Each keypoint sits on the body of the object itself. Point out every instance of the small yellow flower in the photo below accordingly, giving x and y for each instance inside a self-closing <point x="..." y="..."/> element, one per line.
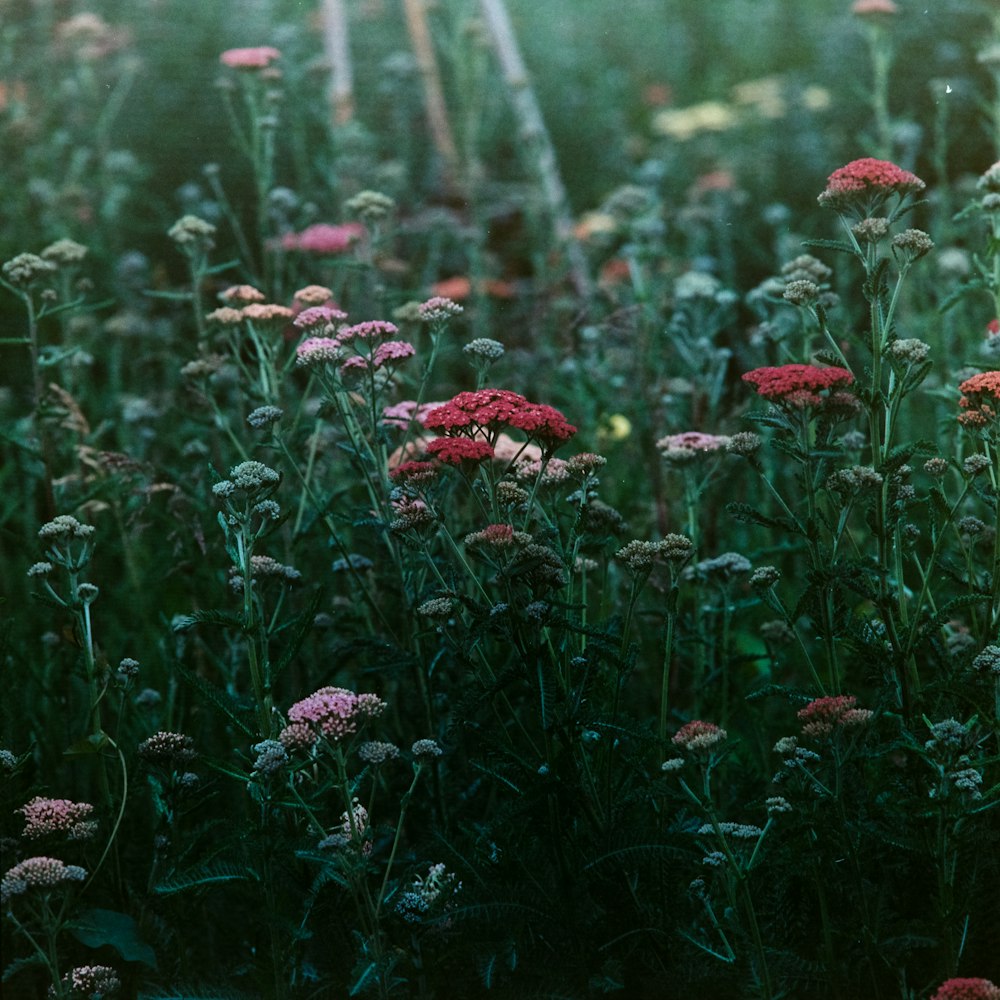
<point x="617" y="427"/>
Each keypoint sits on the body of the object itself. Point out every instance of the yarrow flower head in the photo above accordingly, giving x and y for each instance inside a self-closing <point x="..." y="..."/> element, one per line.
<point x="319" y="351"/>
<point x="980" y="399"/>
<point x="800" y="386"/>
<point x="967" y="989"/>
<point x="324" y="238"/>
<point x="26" y="268"/>
<point x="264" y="416"/>
<point x="377" y="753"/>
<point x="988" y="661"/>
<point x="822" y="715"/>
<point x="459" y="450"/>
<point x="699" y="735"/>
<point x="874" y="8"/>
<point x="65" y="527"/>
<point x="40" y="873"/>
<point x="424" y="751"/>
<point x="440" y="309"/>
<point x="92" y="982"/>
<point x="690" y="444"/>
<point x="88" y="982"/>
<point x="65" y="252"/>
<point x="242" y="295"/>
<point x="258" y="57"/>
<point x="318" y="316"/>
<point x="332" y="713"/>
<point x="44" y="817"/>
<point x="492" y="410"/>
<point x="863" y="187"/>
<point x="191" y="233"/>
<point x="168" y="749"/>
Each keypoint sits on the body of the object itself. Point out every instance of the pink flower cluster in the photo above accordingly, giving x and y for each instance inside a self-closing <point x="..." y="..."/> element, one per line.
<point x="458" y="450"/>
<point x="822" y="715"/>
<point x="801" y="385"/>
<point x="967" y="989"/>
<point x="332" y="713"/>
<point x="38" y="873"/>
<point x="324" y="238"/>
<point x="866" y="184"/>
<point x="496" y="535"/>
<point x="377" y="352"/>
<point x="490" y="410"/>
<point x="691" y="441"/>
<point x="699" y="735"/>
<point x="259" y="57"/>
<point x="318" y="316"/>
<point x="53" y="816"/>
<point x="980" y="396"/>
<point x="873" y="8"/>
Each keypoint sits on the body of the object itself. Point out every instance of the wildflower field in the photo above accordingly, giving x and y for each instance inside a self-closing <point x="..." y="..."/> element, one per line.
<point x="499" y="499"/>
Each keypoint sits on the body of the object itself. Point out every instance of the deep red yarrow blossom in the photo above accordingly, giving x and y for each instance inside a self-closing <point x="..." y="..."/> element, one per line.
<point x="492" y="410"/>
<point x="798" y="385"/>
<point x="457" y="450"/>
<point x="865" y="185"/>
<point x="967" y="989"/>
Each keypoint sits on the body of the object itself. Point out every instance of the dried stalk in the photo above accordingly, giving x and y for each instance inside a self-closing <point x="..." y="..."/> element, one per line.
<point x="536" y="138"/>
<point x="338" y="55"/>
<point x="437" y="111"/>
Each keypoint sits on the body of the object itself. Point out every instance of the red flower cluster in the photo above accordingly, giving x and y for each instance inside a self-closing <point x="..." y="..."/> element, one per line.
<point x="980" y="396"/>
<point x="491" y="410"/>
<point x="800" y="385"/>
<point x="866" y="183"/>
<point x="456" y="450"/>
<point x="820" y="716"/>
<point x="967" y="989"/>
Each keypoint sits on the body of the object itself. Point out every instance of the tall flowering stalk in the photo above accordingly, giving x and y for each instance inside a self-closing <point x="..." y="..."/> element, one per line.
<point x="870" y="196"/>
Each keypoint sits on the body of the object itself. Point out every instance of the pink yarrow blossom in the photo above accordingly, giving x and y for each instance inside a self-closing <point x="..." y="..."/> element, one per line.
<point x="699" y="735"/>
<point x="314" y="316"/>
<point x="401" y="414"/>
<point x="865" y="185"/>
<point x="324" y="238"/>
<point x="373" y="329"/>
<point x="332" y="713"/>
<point x="318" y="351"/>
<point x="691" y="441"/>
<point x="967" y="989"/>
<point x="822" y="715"/>
<point x="873" y="8"/>
<point x="53" y="816"/>
<point x="392" y="350"/>
<point x="259" y="57"/>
